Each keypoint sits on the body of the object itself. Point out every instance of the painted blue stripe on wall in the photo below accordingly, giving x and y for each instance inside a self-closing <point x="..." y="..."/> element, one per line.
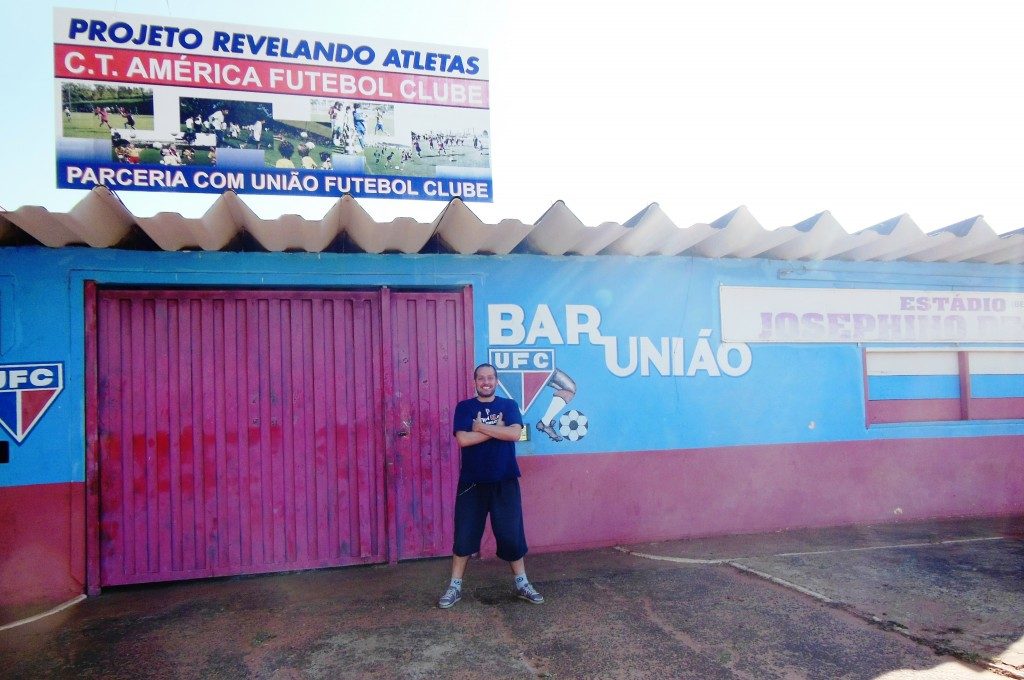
<point x="787" y="386"/>
<point x="913" y="387"/>
<point x="994" y="386"/>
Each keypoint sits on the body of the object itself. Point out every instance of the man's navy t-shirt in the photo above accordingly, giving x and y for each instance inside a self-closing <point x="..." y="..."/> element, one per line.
<point x="493" y="460"/>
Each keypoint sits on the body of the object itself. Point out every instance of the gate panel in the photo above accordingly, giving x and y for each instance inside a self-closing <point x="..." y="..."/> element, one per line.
<point x="239" y="432"/>
<point x="430" y="352"/>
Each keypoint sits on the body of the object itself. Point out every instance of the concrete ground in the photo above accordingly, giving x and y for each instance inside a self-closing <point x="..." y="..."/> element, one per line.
<point x="917" y="600"/>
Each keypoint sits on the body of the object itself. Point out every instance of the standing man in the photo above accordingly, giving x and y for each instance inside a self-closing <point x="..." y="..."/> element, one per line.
<point x="219" y="122"/>
<point x="359" y="122"/>
<point x="257" y="132"/>
<point x="487" y="428"/>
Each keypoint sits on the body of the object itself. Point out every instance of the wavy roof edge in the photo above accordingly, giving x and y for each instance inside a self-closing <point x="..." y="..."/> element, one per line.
<point x="101" y="220"/>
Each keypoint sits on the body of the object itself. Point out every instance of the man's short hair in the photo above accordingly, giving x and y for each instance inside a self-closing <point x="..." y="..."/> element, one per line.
<point x="485" y="365"/>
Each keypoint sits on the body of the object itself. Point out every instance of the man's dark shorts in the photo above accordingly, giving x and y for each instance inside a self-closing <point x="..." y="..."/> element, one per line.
<point x="503" y="502"/>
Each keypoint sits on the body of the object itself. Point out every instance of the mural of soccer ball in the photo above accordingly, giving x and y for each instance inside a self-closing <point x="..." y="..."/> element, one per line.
<point x="573" y="425"/>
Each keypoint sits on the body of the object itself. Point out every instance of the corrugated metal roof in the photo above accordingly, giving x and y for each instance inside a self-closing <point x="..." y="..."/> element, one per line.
<point x="100" y="220"/>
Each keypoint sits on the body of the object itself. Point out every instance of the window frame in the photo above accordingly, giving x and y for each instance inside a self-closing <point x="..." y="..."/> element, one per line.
<point x="965" y="408"/>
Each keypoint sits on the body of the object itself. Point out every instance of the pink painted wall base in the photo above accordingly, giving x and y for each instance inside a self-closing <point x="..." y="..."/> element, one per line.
<point x="591" y="500"/>
<point x="42" y="562"/>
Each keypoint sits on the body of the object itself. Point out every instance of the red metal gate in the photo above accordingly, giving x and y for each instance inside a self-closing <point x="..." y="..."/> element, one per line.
<point x="431" y="358"/>
<point x="238" y="432"/>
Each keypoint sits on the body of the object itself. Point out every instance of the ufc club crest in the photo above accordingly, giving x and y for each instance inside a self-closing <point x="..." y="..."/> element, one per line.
<point x="523" y="373"/>
<point x="26" y="392"/>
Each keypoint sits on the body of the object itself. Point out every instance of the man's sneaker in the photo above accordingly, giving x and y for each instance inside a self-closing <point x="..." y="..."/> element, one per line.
<point x="549" y="430"/>
<point x="530" y="594"/>
<point x="450" y="597"/>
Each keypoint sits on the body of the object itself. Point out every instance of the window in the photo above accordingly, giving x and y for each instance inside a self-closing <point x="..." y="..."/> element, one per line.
<point x="909" y="386"/>
<point x="996" y="382"/>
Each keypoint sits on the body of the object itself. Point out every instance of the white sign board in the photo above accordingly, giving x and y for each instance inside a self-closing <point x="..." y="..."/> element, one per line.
<point x="167" y="104"/>
<point x="761" y="314"/>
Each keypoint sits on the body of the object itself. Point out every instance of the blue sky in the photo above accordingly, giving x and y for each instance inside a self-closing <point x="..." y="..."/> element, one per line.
<point x="869" y="109"/>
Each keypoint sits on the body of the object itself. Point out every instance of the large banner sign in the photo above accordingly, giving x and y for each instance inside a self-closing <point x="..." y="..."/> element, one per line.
<point x="759" y="314"/>
<point x="163" y="104"/>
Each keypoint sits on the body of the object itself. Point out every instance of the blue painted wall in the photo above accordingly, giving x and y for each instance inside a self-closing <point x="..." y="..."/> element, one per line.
<point x="788" y="393"/>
